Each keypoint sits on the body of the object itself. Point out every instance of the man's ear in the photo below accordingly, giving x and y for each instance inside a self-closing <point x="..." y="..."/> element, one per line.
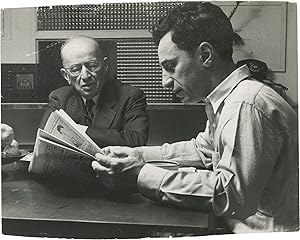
<point x="65" y="75"/>
<point x="206" y="52"/>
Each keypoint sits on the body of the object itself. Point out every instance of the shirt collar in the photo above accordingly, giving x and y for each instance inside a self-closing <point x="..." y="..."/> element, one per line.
<point x="95" y="98"/>
<point x="222" y="91"/>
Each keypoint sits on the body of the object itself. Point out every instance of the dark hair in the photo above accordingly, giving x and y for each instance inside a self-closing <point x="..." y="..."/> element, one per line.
<point x="196" y="22"/>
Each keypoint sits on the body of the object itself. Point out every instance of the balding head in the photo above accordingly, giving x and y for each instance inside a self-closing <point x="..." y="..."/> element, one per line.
<point x="74" y="44"/>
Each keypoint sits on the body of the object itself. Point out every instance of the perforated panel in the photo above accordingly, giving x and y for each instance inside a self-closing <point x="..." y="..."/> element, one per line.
<point x="136" y="60"/>
<point x="108" y="16"/>
<point x="137" y="64"/>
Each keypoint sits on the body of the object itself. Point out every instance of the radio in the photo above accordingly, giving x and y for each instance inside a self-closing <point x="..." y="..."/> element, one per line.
<point x="18" y="83"/>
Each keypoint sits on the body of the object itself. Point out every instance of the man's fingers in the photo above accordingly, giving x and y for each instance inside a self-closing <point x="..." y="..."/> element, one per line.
<point x="107" y="160"/>
<point x="109" y="150"/>
<point x="97" y="167"/>
<point x="105" y="150"/>
<point x="121" y="152"/>
<point x="117" y="151"/>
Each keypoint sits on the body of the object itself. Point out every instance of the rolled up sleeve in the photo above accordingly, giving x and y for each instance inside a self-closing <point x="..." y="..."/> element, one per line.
<point x="149" y="181"/>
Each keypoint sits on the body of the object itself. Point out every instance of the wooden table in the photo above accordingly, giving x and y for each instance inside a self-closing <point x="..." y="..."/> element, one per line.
<point x="37" y="207"/>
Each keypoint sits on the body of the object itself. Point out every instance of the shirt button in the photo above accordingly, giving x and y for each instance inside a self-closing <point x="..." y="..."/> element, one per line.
<point x="232" y="213"/>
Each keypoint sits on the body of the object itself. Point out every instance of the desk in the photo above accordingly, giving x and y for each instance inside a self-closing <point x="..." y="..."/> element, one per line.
<point x="33" y="207"/>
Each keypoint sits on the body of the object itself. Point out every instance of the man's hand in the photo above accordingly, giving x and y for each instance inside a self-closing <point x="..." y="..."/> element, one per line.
<point x="119" y="167"/>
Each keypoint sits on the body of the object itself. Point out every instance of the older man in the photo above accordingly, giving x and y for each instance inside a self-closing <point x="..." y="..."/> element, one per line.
<point x="248" y="153"/>
<point x="109" y="112"/>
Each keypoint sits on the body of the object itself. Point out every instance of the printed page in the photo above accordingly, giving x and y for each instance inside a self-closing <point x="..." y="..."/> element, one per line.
<point x="48" y="136"/>
<point x="65" y="116"/>
<point x="53" y="159"/>
<point x="62" y="129"/>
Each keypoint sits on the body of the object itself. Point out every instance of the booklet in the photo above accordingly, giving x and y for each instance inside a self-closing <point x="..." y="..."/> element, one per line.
<point x="61" y="149"/>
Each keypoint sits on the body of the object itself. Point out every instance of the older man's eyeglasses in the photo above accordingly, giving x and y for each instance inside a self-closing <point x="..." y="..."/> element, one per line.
<point x="76" y="69"/>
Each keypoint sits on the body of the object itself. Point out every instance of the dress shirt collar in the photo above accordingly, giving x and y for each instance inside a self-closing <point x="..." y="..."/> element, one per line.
<point x="94" y="98"/>
<point x="222" y="91"/>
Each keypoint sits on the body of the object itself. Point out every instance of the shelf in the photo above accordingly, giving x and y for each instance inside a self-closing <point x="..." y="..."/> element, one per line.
<point x="151" y="106"/>
<point x="173" y="106"/>
<point x="22" y="106"/>
<point x="103" y="34"/>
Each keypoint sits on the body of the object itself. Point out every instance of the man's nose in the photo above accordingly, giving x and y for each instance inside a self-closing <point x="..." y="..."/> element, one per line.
<point x="85" y="73"/>
<point x="167" y="81"/>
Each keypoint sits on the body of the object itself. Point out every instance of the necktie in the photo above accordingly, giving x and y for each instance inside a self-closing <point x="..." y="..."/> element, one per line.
<point x="88" y="111"/>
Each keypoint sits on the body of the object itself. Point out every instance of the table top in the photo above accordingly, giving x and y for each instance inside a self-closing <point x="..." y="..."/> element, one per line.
<point x="25" y="197"/>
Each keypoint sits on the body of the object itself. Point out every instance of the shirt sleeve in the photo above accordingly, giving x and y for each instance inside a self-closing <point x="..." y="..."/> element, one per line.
<point x="243" y="166"/>
<point x="194" y="153"/>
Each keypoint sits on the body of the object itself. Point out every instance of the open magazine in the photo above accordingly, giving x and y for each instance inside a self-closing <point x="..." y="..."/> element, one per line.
<point x="62" y="149"/>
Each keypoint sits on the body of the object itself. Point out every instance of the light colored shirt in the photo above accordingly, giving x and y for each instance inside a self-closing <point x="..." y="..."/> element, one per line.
<point x="249" y="156"/>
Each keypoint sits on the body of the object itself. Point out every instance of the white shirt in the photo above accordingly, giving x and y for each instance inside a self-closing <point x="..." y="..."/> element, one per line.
<point x="250" y="162"/>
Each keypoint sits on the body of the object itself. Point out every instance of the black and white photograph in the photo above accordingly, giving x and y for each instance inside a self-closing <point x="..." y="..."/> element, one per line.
<point x="149" y="119"/>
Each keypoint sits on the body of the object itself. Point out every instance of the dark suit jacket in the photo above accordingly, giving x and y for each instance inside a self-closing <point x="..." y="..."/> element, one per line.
<point x="120" y="117"/>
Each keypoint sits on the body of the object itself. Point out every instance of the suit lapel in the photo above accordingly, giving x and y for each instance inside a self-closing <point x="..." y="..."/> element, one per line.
<point x="105" y="113"/>
<point x="75" y="108"/>
<point x="104" y="118"/>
